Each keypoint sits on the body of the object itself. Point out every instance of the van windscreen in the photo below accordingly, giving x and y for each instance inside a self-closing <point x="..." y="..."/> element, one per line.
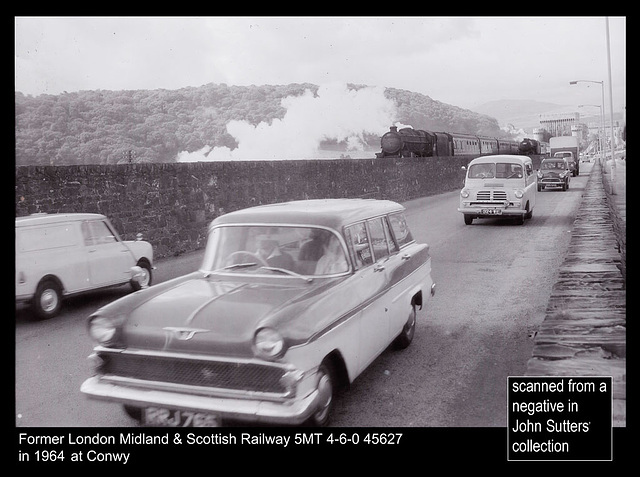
<point x="498" y="170"/>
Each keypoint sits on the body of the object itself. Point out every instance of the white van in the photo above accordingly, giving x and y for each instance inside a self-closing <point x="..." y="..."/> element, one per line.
<point x="500" y="186"/>
<point x="58" y="255"/>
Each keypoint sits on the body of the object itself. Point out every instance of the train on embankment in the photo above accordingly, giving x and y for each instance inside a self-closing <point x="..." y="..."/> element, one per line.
<point x="409" y="142"/>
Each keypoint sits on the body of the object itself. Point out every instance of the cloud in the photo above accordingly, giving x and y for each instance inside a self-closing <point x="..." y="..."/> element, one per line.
<point x="458" y="60"/>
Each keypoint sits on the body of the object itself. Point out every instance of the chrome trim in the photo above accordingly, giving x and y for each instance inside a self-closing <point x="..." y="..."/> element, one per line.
<point x="193" y="357"/>
<point x="189" y="389"/>
<point x="291" y="412"/>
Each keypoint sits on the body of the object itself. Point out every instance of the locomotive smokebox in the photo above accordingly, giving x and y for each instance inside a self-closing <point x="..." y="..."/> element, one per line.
<point x="391" y="142"/>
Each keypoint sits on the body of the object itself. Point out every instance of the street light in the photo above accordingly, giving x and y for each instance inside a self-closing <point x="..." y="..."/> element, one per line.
<point x="601" y="130"/>
<point x="601" y="83"/>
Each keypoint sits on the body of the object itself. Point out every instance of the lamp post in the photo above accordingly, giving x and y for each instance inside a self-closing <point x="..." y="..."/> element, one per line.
<point x="601" y="83"/>
<point x="601" y="130"/>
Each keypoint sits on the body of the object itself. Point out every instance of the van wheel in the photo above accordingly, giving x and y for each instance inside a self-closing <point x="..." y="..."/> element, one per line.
<point x="326" y="390"/>
<point x="468" y="220"/>
<point x="145" y="279"/>
<point x="47" y="301"/>
<point x="404" y="339"/>
<point x="529" y="214"/>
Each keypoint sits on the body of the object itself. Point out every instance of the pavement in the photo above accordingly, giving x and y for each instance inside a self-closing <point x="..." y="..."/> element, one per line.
<point x="584" y="329"/>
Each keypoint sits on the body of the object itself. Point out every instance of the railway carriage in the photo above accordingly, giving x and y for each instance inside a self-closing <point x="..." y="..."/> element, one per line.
<point x="409" y="142"/>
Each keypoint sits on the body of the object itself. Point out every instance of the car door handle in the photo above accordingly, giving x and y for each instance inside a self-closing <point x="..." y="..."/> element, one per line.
<point x="378" y="267"/>
<point x="406" y="256"/>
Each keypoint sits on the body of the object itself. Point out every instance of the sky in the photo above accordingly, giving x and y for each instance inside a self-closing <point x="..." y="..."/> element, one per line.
<point x="463" y="61"/>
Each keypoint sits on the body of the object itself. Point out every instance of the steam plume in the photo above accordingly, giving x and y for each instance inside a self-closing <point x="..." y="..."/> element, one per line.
<point x="335" y="112"/>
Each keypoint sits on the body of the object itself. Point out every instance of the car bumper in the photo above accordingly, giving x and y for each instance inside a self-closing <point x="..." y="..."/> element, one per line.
<point x="492" y="211"/>
<point x="552" y="183"/>
<point x="292" y="412"/>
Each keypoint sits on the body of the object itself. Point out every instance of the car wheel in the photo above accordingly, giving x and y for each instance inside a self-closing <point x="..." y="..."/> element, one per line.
<point x="47" y="301"/>
<point x="468" y="220"/>
<point x="404" y="339"/>
<point x="134" y="413"/>
<point x="145" y="279"/>
<point x="322" y="414"/>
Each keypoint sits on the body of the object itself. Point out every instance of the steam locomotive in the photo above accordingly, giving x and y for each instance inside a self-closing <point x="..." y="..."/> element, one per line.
<point x="532" y="146"/>
<point x="409" y="142"/>
<point x="529" y="146"/>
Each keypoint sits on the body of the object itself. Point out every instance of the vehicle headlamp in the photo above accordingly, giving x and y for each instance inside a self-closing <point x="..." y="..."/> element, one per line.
<point x="101" y="328"/>
<point x="519" y="194"/>
<point x="464" y="193"/>
<point x="269" y="343"/>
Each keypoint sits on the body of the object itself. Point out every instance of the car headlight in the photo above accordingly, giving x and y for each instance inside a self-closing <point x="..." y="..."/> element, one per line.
<point x="519" y="194"/>
<point x="464" y="193"/>
<point x="540" y="175"/>
<point x="269" y="343"/>
<point x="102" y="329"/>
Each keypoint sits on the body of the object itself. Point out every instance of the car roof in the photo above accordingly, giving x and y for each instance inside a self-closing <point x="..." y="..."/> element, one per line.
<point x="332" y="213"/>
<point x="43" y="219"/>
<point x="500" y="158"/>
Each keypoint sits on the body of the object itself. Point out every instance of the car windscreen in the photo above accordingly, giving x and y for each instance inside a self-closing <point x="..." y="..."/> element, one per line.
<point x="268" y="249"/>
<point x="553" y="165"/>
<point x="498" y="170"/>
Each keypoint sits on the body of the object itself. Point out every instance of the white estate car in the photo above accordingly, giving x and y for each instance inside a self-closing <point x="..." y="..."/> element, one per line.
<point x="63" y="254"/>
<point x="499" y="186"/>
<point x="292" y="302"/>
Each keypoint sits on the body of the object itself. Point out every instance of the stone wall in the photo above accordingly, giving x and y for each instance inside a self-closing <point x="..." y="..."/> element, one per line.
<point x="171" y="204"/>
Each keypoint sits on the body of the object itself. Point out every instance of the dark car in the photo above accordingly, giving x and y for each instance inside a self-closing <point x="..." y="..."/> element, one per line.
<point x="292" y="301"/>
<point x="554" y="172"/>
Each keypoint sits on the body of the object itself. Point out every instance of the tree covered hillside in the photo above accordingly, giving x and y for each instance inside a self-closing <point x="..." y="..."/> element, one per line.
<point x="101" y="127"/>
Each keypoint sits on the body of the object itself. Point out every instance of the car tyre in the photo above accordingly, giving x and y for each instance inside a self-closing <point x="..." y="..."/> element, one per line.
<point x="47" y="300"/>
<point x="404" y="339"/>
<point x="134" y="413"/>
<point x="468" y="220"/>
<point x="326" y="391"/>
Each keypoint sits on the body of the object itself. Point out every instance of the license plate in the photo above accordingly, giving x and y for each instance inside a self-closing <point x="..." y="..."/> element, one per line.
<point x="492" y="211"/>
<point x="161" y="417"/>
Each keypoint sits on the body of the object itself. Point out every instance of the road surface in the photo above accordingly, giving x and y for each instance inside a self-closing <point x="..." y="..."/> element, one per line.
<point x="493" y="280"/>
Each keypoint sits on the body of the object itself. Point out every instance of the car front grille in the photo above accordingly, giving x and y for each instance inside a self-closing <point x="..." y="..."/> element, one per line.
<point x="488" y="195"/>
<point x="234" y="376"/>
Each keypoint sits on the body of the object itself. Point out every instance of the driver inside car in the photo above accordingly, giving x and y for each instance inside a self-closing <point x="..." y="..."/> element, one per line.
<point x="269" y="250"/>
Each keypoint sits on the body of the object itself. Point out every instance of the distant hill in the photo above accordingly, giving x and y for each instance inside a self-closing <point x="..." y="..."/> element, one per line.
<point x="521" y="113"/>
<point x="109" y="127"/>
<point x="525" y="114"/>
